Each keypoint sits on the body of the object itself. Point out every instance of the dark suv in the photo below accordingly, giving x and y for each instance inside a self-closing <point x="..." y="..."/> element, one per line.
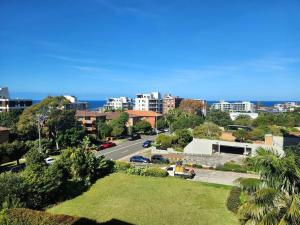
<point x="134" y="137"/>
<point x="159" y="159"/>
<point x="139" y="159"/>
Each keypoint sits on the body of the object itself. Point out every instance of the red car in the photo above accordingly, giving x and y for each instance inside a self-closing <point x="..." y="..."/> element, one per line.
<point x="107" y="145"/>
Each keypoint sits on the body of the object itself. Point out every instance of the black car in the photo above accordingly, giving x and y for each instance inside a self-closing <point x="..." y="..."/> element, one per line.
<point x="139" y="159"/>
<point x="159" y="159"/>
<point x="147" y="144"/>
<point x="18" y="168"/>
<point x="134" y="137"/>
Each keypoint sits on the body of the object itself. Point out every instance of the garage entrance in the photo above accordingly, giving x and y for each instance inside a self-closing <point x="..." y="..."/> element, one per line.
<point x="232" y="150"/>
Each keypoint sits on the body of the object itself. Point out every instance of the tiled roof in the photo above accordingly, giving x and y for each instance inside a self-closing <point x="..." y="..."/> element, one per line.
<point x="143" y="113"/>
<point x="83" y="113"/>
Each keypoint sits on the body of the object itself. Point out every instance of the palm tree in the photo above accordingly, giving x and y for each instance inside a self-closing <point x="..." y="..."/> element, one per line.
<point x="277" y="199"/>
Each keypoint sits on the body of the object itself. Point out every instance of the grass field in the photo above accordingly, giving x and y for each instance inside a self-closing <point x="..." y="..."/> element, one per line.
<point x="148" y="200"/>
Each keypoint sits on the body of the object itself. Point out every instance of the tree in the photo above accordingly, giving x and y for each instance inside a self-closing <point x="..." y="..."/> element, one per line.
<point x="183" y="137"/>
<point x="207" y="130"/>
<point x="192" y="106"/>
<point x="103" y="130"/>
<point x="277" y="200"/>
<point x="119" y="125"/>
<point x="185" y="121"/>
<point x="142" y="126"/>
<point x="12" y="151"/>
<point x="165" y="141"/>
<point x="219" y="117"/>
<point x="72" y="137"/>
<point x="117" y="131"/>
<point x="161" y="123"/>
<point x="57" y="121"/>
<point x="243" y="120"/>
<point x="241" y="135"/>
<point x="10" y="119"/>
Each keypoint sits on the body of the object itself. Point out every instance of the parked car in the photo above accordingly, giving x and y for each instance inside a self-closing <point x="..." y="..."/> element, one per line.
<point x="49" y="160"/>
<point x="139" y="159"/>
<point x="134" y="137"/>
<point x="18" y="168"/>
<point x="107" y="145"/>
<point x="159" y="159"/>
<point x="147" y="144"/>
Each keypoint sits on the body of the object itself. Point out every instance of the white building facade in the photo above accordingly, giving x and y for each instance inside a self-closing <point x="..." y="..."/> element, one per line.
<point x="234" y="107"/>
<point x="149" y="102"/>
<point x="7" y="104"/>
<point x="122" y="103"/>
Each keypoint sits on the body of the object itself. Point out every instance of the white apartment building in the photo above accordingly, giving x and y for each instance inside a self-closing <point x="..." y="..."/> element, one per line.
<point x="7" y="104"/>
<point x="149" y="102"/>
<point x="234" y="107"/>
<point x="74" y="104"/>
<point x="119" y="103"/>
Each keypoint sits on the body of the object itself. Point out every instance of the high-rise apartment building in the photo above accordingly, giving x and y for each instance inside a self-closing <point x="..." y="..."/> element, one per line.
<point x="234" y="106"/>
<point x="122" y="103"/>
<point x="7" y="104"/>
<point x="149" y="102"/>
<point x="170" y="102"/>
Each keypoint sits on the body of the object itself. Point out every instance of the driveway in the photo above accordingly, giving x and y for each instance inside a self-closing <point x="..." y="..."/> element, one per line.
<point x="125" y="149"/>
<point x="220" y="177"/>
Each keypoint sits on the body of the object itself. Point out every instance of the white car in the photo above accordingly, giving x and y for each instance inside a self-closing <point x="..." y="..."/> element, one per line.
<point x="49" y="160"/>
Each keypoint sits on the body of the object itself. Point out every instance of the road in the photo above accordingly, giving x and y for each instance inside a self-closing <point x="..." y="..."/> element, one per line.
<point x="124" y="149"/>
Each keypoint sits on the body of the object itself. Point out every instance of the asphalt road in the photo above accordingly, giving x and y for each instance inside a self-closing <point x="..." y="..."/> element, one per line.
<point x="124" y="149"/>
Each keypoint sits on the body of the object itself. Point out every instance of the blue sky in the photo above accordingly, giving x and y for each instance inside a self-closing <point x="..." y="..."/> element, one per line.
<point x="233" y="49"/>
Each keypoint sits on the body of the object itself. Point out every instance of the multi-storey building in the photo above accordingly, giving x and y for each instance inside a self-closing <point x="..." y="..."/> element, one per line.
<point x="234" y="107"/>
<point x="170" y="102"/>
<point x="7" y="104"/>
<point x="122" y="103"/>
<point x="74" y="104"/>
<point x="149" y="102"/>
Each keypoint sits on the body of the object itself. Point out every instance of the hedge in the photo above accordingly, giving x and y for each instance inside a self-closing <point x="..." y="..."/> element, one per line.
<point x="233" y="201"/>
<point x="229" y="166"/>
<point x="23" y="216"/>
<point x="155" y="172"/>
<point x="121" y="166"/>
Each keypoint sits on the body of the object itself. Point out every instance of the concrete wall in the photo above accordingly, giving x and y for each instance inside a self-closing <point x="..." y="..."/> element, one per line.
<point x="199" y="146"/>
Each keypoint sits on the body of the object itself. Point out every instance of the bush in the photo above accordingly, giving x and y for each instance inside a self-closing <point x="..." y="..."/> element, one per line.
<point x="136" y="171"/>
<point x="229" y="166"/>
<point x="121" y="166"/>
<point x="233" y="201"/>
<point x="155" y="172"/>
<point x="165" y="141"/>
<point x="24" y="216"/>
<point x="13" y="190"/>
<point x="249" y="185"/>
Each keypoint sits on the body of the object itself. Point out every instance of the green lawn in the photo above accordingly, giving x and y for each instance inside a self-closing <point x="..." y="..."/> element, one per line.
<point x="149" y="200"/>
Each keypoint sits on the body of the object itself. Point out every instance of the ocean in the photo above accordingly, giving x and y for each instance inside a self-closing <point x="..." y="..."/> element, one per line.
<point x="94" y="104"/>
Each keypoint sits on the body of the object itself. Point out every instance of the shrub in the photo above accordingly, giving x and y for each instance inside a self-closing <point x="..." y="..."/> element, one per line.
<point x="249" y="185"/>
<point x="233" y="201"/>
<point x="13" y="189"/>
<point x="229" y="166"/>
<point x="197" y="166"/>
<point x="165" y="141"/>
<point x="136" y="171"/>
<point x="24" y="216"/>
<point x="155" y="172"/>
<point x="121" y="166"/>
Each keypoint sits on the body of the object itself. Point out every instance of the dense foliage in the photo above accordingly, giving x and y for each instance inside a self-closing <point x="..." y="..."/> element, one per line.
<point x="207" y="130"/>
<point x="219" y="117"/>
<point x="142" y="126"/>
<point x="40" y="184"/>
<point x="277" y="199"/>
<point x="23" y="216"/>
<point x="233" y="201"/>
